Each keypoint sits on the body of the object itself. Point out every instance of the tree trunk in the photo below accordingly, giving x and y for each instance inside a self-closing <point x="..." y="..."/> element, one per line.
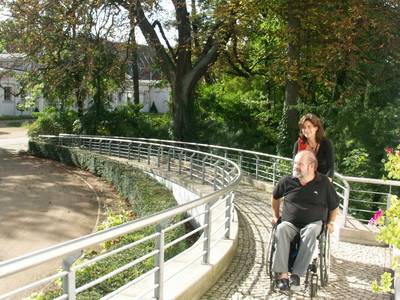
<point x="292" y="86"/>
<point x="134" y="56"/>
<point x="183" y="111"/>
<point x="79" y="103"/>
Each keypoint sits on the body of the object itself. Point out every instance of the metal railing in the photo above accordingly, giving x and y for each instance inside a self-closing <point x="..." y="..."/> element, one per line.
<point x="212" y="211"/>
<point x="360" y="197"/>
<point x="216" y="165"/>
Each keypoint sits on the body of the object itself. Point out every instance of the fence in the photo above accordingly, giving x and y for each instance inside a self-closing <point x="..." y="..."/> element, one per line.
<point x="360" y="197"/>
<point x="218" y="166"/>
<point x="222" y="174"/>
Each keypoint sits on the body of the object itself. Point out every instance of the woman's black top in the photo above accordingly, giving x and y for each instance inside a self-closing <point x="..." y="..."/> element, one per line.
<point x="325" y="157"/>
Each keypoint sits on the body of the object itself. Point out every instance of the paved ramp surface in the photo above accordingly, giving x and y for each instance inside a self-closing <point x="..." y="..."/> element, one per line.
<point x="353" y="267"/>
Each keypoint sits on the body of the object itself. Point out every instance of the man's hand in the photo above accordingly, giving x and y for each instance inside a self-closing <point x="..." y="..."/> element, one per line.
<point x="274" y="220"/>
<point x="330" y="227"/>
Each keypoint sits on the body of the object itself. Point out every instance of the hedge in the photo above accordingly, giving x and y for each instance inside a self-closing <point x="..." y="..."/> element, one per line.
<point x="146" y="197"/>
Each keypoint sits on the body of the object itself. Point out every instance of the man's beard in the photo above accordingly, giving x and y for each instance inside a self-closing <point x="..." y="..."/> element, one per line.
<point x="297" y="173"/>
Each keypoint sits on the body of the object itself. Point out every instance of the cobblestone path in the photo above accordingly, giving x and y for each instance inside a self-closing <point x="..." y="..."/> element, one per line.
<point x="353" y="267"/>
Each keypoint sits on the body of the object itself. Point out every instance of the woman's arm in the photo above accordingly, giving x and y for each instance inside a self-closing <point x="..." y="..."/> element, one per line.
<point x="330" y="158"/>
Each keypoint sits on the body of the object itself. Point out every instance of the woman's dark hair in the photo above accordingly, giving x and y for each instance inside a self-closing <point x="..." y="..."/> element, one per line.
<point x="316" y="122"/>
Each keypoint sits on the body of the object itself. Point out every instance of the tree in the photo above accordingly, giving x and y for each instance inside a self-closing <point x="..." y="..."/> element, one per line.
<point x="185" y="64"/>
<point x="63" y="41"/>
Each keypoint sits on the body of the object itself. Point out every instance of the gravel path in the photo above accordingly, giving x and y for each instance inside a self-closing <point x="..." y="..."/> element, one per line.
<point x="43" y="203"/>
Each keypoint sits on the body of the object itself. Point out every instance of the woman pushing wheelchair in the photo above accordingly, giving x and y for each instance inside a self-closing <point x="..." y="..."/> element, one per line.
<point x="310" y="204"/>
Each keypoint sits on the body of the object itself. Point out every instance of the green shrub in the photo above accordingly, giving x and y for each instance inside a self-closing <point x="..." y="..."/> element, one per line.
<point x="51" y="121"/>
<point x="389" y="222"/>
<point x="146" y="197"/>
<point x="236" y="112"/>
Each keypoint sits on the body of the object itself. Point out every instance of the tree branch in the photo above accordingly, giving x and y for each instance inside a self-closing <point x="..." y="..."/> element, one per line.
<point x="171" y="51"/>
<point x="165" y="62"/>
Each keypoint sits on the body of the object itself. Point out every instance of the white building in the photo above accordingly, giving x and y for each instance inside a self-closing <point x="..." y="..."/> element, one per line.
<point x="12" y="64"/>
<point x="149" y="92"/>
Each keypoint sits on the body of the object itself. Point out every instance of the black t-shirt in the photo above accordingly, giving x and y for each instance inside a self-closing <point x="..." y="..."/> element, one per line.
<point x="305" y="204"/>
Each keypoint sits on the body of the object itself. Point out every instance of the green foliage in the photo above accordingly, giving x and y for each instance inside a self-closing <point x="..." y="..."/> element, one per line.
<point x="235" y="112"/>
<point x="392" y="165"/>
<point x="52" y="121"/>
<point x="123" y="120"/>
<point x="127" y="120"/>
<point x="146" y="197"/>
<point x="384" y="285"/>
<point x="389" y="224"/>
<point x="67" y="49"/>
<point x="96" y="119"/>
<point x="356" y="162"/>
<point x="389" y="231"/>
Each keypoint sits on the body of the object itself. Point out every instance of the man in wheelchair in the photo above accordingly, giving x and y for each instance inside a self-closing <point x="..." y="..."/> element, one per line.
<point x="310" y="201"/>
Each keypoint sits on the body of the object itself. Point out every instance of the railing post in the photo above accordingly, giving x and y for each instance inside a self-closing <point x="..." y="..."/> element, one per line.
<point x="90" y="144"/>
<point x="148" y="154"/>
<point x="100" y="146"/>
<point x="180" y="163"/>
<point x="203" y="170"/>
<point x="69" y="282"/>
<point x="274" y="173"/>
<point x="158" y="157"/>
<point x="129" y="151"/>
<point x="159" y="263"/>
<point x="207" y="234"/>
<point x="169" y="160"/>
<point x="240" y="160"/>
<point x="389" y="196"/>
<point x="257" y="163"/>
<point x="109" y="148"/>
<point x="346" y="202"/>
<point x="138" y="152"/>
<point x="191" y="166"/>
<point x="215" y="176"/>
<point x="228" y="214"/>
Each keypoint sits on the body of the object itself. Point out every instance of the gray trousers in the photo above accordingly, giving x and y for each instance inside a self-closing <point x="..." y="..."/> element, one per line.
<point x="284" y="234"/>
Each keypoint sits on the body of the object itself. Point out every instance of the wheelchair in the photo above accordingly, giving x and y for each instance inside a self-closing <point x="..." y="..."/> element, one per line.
<point x="317" y="274"/>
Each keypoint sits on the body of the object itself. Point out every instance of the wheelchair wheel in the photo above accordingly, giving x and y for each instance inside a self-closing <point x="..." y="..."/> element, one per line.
<point x="325" y="258"/>
<point x="271" y="251"/>
<point x="270" y="255"/>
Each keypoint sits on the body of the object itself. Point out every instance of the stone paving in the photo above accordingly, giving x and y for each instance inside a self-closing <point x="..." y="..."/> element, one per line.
<point x="353" y="266"/>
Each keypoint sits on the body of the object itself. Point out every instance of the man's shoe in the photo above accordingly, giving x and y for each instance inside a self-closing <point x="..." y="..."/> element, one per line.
<point x="294" y="282"/>
<point x="282" y="284"/>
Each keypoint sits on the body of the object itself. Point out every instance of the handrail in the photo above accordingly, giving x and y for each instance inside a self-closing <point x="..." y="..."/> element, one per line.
<point x="347" y="191"/>
<point x="261" y="166"/>
<point x="371" y="180"/>
<point x="219" y="171"/>
<point x="35" y="258"/>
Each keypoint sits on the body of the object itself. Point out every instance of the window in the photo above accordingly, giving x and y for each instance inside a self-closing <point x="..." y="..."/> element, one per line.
<point x="7" y="93"/>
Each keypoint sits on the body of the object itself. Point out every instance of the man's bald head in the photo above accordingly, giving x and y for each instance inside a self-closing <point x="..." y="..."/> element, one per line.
<point x="305" y="164"/>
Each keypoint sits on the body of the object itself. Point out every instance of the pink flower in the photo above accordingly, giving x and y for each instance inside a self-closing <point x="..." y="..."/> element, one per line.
<point x="388" y="150"/>
<point x="398" y="152"/>
<point x="375" y="217"/>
